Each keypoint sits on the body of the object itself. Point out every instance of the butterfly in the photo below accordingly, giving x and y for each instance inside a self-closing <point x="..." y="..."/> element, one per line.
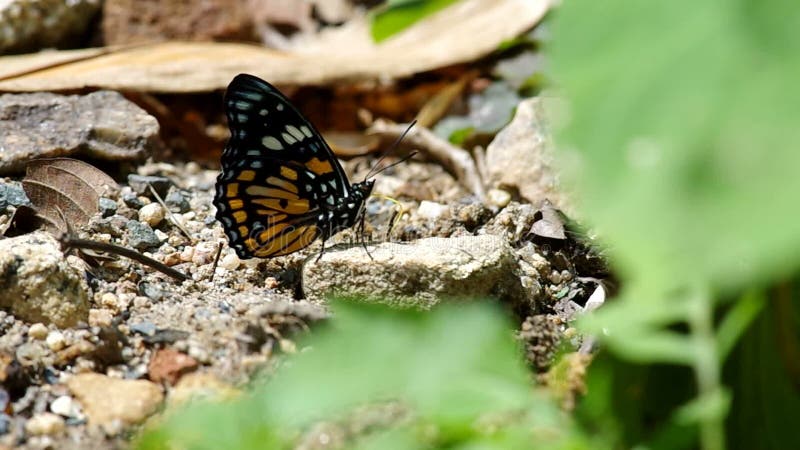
<point x="280" y="187"/>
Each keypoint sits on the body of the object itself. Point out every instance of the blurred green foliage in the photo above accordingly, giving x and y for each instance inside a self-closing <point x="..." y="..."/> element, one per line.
<point x="457" y="370"/>
<point x="681" y="138"/>
<point x="398" y="15"/>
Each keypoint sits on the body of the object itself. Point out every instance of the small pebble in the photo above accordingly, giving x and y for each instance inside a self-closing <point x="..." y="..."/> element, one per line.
<point x="37" y="331"/>
<point x="152" y="214"/>
<point x="176" y="202"/>
<point x="44" y="424"/>
<point x="141" y="302"/>
<point x="431" y="210"/>
<point x="151" y="290"/>
<point x="204" y="253"/>
<point x="131" y="200"/>
<point x="100" y="317"/>
<point x="161" y="235"/>
<point x="230" y="261"/>
<point x="141" y="236"/>
<point x="64" y="406"/>
<point x="107" y="207"/>
<point x="110" y="300"/>
<point x="187" y="253"/>
<point x="56" y="341"/>
<point x="499" y="197"/>
<point x="172" y="259"/>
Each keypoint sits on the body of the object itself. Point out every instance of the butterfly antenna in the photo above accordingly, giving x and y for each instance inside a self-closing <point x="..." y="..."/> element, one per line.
<point x="372" y="172"/>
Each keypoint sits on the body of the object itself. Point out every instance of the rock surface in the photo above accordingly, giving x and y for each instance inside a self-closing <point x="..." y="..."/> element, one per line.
<point x="106" y="400"/>
<point x="521" y="156"/>
<point x="420" y="273"/>
<point x="38" y="284"/>
<point x="102" y="125"/>
<point x="29" y="25"/>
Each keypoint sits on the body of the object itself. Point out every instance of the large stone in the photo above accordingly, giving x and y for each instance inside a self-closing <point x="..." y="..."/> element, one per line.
<point x="521" y="156"/>
<point x="30" y="25"/>
<point x="109" y="402"/>
<point x="420" y="273"/>
<point x="102" y="125"/>
<point x="37" y="284"/>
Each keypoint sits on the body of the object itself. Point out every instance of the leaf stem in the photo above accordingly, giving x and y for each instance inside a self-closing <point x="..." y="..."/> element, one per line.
<point x="706" y="364"/>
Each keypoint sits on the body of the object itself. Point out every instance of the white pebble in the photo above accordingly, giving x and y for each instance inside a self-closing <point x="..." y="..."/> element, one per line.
<point x="431" y="210"/>
<point x="187" y="253"/>
<point x="64" y="406"/>
<point x="230" y="261"/>
<point x="110" y="300"/>
<point x="151" y="214"/>
<point x="44" y="423"/>
<point x="204" y="253"/>
<point x="56" y="341"/>
<point x="499" y="197"/>
<point x="100" y="317"/>
<point x="37" y="331"/>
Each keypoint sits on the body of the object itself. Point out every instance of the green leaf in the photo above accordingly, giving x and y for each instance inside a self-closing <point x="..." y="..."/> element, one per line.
<point x="452" y="367"/>
<point x="683" y="127"/>
<point x="401" y="14"/>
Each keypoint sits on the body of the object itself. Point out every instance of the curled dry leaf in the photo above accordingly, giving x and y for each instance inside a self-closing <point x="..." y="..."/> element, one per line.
<point x="60" y="189"/>
<point x="549" y="222"/>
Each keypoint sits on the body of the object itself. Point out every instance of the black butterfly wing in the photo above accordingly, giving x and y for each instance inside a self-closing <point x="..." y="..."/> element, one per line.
<point x="264" y="123"/>
<point x="268" y="207"/>
<point x="277" y="171"/>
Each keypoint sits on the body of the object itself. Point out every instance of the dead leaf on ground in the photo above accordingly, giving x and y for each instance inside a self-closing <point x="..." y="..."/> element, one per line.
<point x="475" y="28"/>
<point x="60" y="189"/>
<point x="549" y="222"/>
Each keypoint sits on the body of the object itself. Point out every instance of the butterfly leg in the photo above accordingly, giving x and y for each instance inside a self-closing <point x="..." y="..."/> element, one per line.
<point x="362" y="234"/>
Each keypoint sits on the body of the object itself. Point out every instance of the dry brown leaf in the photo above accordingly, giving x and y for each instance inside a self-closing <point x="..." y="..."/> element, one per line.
<point x="61" y="189"/>
<point x="463" y="32"/>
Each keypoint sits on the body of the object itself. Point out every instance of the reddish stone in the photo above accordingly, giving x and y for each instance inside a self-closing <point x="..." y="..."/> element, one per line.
<point x="169" y="366"/>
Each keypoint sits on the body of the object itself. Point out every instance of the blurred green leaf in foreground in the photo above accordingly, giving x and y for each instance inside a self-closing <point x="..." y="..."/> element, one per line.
<point x="681" y="136"/>
<point x="455" y="375"/>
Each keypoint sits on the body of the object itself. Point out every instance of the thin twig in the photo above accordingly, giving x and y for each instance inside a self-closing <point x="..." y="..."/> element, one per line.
<point x="70" y="241"/>
<point x="216" y="261"/>
<point x="170" y="215"/>
<point x="456" y="160"/>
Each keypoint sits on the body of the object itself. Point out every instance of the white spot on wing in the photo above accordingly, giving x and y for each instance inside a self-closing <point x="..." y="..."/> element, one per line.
<point x="263" y="112"/>
<point x="271" y="143"/>
<point x="243" y="105"/>
<point x="306" y="131"/>
<point x="255" y="96"/>
<point x="279" y="107"/>
<point x="242" y="118"/>
<point x="295" y="132"/>
<point x="288" y="138"/>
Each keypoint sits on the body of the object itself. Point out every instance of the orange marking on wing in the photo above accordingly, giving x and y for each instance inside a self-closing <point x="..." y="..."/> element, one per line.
<point x="239" y="216"/>
<point x="318" y="166"/>
<point x="289" y="173"/>
<point x="270" y="232"/>
<point x="232" y="190"/>
<point x="306" y="238"/>
<point x="243" y="230"/>
<point x="264" y="191"/>
<point x="236" y="203"/>
<point x="247" y="175"/>
<point x="299" y="206"/>
<point x="283" y="184"/>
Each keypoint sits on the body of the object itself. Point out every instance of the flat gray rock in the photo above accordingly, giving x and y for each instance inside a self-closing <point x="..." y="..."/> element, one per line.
<point x="101" y="125"/>
<point x="420" y="273"/>
<point x="37" y="284"/>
